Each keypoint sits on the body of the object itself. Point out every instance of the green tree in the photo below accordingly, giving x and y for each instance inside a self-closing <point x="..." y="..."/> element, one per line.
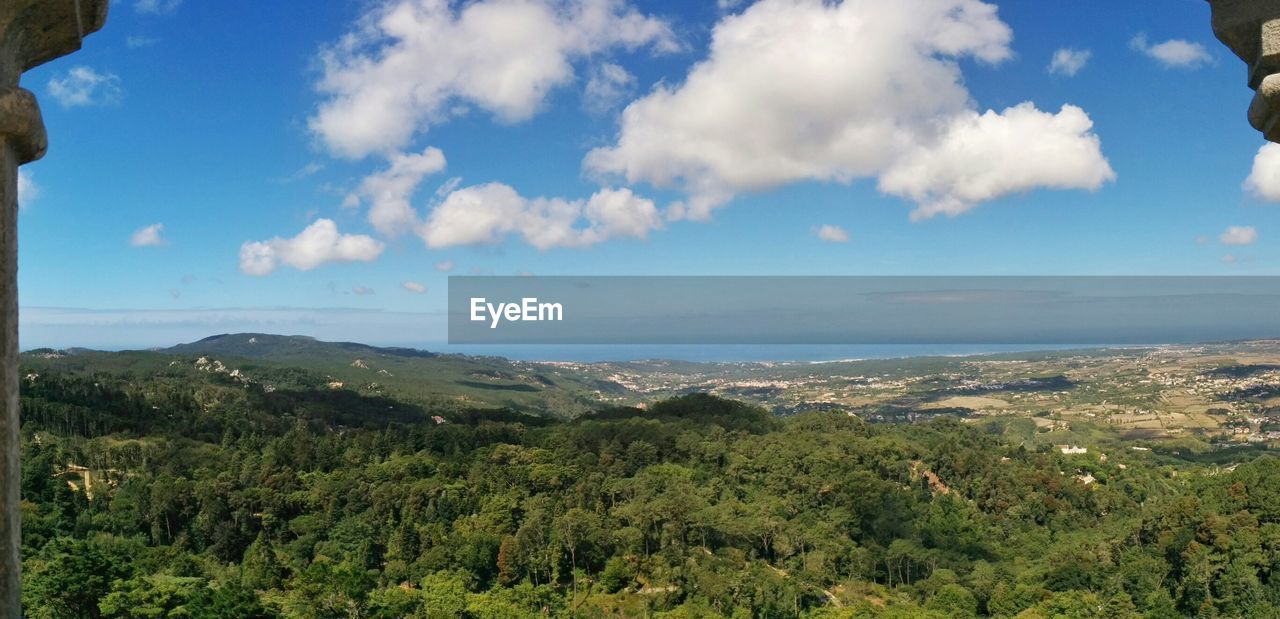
<point x="68" y="578"/>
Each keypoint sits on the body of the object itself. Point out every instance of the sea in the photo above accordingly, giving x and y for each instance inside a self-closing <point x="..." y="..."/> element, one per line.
<point x="729" y="353"/>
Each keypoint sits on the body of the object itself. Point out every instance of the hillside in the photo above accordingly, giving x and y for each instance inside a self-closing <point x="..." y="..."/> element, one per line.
<point x="165" y="485"/>
<point x="1203" y="398"/>
<point x="250" y="475"/>
<point x="295" y="362"/>
<point x="286" y="347"/>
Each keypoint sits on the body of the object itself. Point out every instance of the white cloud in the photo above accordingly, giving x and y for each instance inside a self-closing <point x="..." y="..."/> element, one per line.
<point x="619" y="212"/>
<point x="28" y="190"/>
<point x="445" y="267"/>
<point x="362" y="290"/>
<point x="85" y="86"/>
<point x="317" y="244"/>
<point x="981" y="158"/>
<point x="1264" y="180"/>
<point x="149" y="236"/>
<point x="831" y="234"/>
<point x="415" y="287"/>
<point x="486" y="214"/>
<point x="1174" y="53"/>
<point x="388" y="192"/>
<point x="1239" y="235"/>
<point x="156" y="7"/>
<point x="807" y="90"/>
<point x="477" y="215"/>
<point x="1228" y="259"/>
<point x="608" y="85"/>
<point x="1068" y="62"/>
<point x="409" y="63"/>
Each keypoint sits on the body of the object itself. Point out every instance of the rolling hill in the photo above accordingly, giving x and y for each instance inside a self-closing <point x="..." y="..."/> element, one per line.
<point x="409" y="375"/>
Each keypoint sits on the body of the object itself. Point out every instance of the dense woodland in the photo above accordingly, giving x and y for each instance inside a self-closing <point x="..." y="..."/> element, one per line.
<point x="181" y="496"/>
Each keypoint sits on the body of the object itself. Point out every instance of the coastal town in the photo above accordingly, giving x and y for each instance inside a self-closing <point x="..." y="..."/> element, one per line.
<point x="1221" y="394"/>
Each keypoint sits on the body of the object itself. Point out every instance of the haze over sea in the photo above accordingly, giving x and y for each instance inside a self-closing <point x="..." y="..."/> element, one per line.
<point x="738" y="353"/>
<point x="139" y="330"/>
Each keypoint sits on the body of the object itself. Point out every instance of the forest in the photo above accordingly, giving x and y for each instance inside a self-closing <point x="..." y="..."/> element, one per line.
<point x="177" y="495"/>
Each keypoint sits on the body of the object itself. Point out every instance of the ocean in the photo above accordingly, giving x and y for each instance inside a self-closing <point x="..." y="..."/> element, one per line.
<point x="735" y="353"/>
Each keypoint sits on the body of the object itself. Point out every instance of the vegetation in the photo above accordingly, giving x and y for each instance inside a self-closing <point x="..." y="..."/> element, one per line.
<point x="174" y="493"/>
<point x="275" y="362"/>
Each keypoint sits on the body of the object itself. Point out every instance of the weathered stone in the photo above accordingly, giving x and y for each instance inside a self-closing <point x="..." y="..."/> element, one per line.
<point x="1251" y="29"/>
<point x="21" y="124"/>
<point x="10" y="476"/>
<point x="1262" y="111"/>
<point x="32" y="32"/>
<point x="37" y="31"/>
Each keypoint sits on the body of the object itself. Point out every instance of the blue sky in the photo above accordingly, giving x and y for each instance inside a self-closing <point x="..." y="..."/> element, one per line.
<point x="234" y="123"/>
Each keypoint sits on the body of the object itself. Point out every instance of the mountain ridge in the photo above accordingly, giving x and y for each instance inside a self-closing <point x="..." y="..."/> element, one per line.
<point x="267" y="345"/>
<point x="411" y="375"/>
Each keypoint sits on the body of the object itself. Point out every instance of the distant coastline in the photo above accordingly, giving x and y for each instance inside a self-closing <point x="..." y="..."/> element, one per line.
<point x="781" y="353"/>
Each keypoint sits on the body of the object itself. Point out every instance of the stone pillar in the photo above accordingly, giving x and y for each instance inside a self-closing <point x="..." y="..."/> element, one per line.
<point x="32" y="32"/>
<point x="1251" y="28"/>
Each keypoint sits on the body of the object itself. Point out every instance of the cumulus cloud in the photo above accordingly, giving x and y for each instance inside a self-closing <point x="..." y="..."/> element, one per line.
<point x="1068" y="62"/>
<point x="317" y="244"/>
<point x="415" y="287"/>
<point x="486" y="214"/>
<point x="982" y="157"/>
<point x="388" y="192"/>
<point x="1174" y="53"/>
<point x="831" y="234"/>
<point x="409" y="63"/>
<point x="28" y="190"/>
<point x="445" y="267"/>
<point x="149" y="236"/>
<point x="1264" y="180"/>
<point x="1239" y="235"/>
<point x="84" y="86"/>
<point x="362" y="290"/>
<point x="807" y="90"/>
